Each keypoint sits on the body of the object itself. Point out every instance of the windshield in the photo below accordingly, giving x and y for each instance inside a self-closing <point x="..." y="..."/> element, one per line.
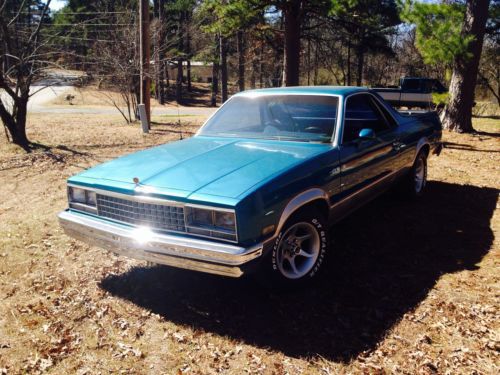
<point x="306" y="118"/>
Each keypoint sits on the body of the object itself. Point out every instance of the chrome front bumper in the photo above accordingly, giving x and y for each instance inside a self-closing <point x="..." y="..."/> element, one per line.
<point x="139" y="243"/>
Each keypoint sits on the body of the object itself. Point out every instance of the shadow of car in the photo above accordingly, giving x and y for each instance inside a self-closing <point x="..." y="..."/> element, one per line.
<point x="386" y="259"/>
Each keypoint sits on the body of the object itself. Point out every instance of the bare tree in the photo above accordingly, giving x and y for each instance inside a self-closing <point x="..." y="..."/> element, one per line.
<point x="25" y="60"/>
<point x="489" y="68"/>
<point x="125" y="81"/>
<point x="116" y="65"/>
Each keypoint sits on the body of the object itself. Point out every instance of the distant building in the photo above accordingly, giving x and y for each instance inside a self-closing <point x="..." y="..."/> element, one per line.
<point x="200" y="71"/>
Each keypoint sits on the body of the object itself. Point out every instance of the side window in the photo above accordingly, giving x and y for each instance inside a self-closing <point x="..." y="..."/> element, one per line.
<point x="389" y="120"/>
<point x="427" y="86"/>
<point x="362" y="113"/>
<point x="411" y="84"/>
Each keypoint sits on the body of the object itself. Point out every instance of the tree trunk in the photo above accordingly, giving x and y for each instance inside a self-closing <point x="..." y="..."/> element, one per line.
<point x="349" y="62"/>
<point x="21" y="116"/>
<point x="157" y="69"/>
<point x="223" y="67"/>
<point x="261" y="65"/>
<point x="309" y="62"/>
<point x="188" y="75"/>
<point x="215" y="84"/>
<point x="180" y="73"/>
<point x="161" y="78"/>
<point x="145" y="73"/>
<point x="241" y="60"/>
<point x="316" y="65"/>
<point x="16" y="124"/>
<point x="159" y="61"/>
<point x="255" y="67"/>
<point x="5" y="58"/>
<point x="167" y="75"/>
<point x="215" y="75"/>
<point x="292" y="13"/>
<point x="188" y="51"/>
<point x="156" y="46"/>
<point x="178" y="83"/>
<point x="458" y="112"/>
<point x="361" y="60"/>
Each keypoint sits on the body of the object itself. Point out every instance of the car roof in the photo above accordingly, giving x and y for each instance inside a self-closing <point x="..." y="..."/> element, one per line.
<point x="306" y="90"/>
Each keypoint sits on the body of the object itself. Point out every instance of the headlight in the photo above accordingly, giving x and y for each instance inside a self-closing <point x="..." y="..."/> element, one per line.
<point x="91" y="199"/>
<point x="77" y="195"/>
<point x="82" y="199"/>
<point x="211" y="222"/>
<point x="224" y="220"/>
<point x="201" y="217"/>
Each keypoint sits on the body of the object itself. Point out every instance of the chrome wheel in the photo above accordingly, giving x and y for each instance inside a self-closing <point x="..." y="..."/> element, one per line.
<point x="420" y="175"/>
<point x="298" y="250"/>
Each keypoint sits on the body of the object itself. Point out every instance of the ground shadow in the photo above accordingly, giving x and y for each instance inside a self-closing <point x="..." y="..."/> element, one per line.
<point x="487" y="134"/>
<point x="36" y="146"/>
<point x="385" y="259"/>
<point x="462" y="147"/>
<point x="492" y="117"/>
<point x="198" y="96"/>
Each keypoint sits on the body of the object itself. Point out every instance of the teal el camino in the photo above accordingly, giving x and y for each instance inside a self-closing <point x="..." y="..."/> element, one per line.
<point x="257" y="187"/>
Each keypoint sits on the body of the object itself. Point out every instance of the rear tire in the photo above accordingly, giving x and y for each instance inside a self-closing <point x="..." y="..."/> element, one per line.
<point x="415" y="182"/>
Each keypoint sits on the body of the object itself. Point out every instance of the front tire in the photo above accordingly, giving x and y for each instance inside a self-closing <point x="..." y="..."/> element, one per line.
<point x="299" y="250"/>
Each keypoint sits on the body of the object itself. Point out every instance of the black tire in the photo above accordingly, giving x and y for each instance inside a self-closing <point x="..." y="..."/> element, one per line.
<point x="288" y="249"/>
<point x="415" y="181"/>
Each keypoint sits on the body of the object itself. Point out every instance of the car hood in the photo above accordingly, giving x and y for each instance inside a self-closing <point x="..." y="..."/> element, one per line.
<point x="201" y="166"/>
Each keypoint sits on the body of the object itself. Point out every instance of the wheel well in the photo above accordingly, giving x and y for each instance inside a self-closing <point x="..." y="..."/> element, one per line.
<point x="425" y="149"/>
<point x="318" y="205"/>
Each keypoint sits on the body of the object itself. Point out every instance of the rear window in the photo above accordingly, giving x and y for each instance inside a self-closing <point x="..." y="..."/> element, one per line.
<point x="411" y="84"/>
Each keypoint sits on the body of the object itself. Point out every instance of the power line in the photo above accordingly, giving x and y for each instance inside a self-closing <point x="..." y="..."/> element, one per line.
<point x="79" y="24"/>
<point x="102" y="12"/>
<point x="82" y="39"/>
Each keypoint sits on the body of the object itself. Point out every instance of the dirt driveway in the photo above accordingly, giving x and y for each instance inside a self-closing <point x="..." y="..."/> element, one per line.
<point x="411" y="288"/>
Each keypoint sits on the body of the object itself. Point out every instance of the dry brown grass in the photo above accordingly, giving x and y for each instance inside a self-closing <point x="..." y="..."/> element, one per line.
<point x="412" y="288"/>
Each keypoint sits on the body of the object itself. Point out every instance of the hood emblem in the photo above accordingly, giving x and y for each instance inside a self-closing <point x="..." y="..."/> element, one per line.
<point x="136" y="180"/>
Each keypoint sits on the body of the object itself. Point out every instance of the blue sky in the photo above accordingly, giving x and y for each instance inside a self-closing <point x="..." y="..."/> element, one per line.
<point x="56" y="4"/>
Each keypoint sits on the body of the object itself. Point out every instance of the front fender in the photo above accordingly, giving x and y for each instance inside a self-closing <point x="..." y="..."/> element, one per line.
<point x="299" y="201"/>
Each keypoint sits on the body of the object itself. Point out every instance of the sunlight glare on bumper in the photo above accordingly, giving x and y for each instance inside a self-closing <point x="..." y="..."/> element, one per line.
<point x="142" y="235"/>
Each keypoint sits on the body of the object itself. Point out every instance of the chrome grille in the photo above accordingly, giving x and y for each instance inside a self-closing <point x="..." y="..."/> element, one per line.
<point x="155" y="216"/>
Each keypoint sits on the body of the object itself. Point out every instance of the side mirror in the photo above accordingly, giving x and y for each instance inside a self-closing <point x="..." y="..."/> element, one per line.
<point x="366" y="134"/>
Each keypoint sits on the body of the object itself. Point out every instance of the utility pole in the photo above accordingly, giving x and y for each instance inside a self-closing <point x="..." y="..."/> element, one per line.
<point x="145" y="57"/>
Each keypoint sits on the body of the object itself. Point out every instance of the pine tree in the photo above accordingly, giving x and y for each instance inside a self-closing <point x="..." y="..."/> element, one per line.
<point x="452" y="33"/>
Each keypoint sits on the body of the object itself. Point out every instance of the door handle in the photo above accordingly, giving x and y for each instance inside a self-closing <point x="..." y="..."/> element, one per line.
<point x="335" y="171"/>
<point x="398" y="145"/>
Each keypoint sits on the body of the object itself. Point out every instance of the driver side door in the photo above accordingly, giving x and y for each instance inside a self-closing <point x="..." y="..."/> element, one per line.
<point x="365" y="163"/>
